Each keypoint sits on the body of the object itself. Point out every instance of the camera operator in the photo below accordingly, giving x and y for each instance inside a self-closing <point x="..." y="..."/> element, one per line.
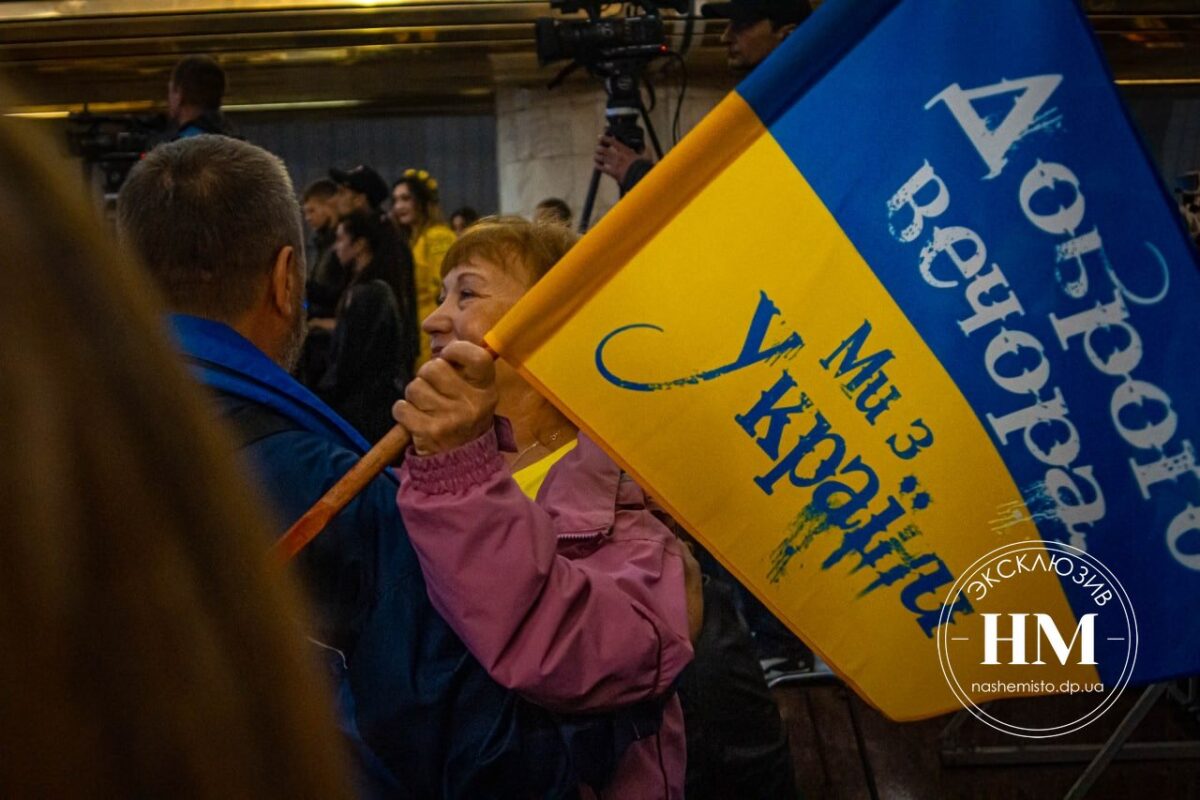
<point x="194" y="98"/>
<point x="1187" y="191"/>
<point x="756" y="28"/>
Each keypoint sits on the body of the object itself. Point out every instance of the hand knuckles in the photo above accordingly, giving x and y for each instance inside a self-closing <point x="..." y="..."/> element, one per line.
<point x="432" y="369"/>
<point x="415" y="390"/>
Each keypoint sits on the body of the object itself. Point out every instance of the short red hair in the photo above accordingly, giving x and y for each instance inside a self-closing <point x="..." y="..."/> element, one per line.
<point x="512" y="243"/>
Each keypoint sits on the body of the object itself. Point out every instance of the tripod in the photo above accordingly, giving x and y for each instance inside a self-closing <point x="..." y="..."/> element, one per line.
<point x="623" y="111"/>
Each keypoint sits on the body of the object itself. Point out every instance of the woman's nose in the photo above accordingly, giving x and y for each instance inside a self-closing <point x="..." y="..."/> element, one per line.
<point x="436" y="322"/>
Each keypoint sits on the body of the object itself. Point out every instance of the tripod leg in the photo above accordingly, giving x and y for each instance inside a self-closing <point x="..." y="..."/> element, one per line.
<point x="585" y="216"/>
<point x="650" y="131"/>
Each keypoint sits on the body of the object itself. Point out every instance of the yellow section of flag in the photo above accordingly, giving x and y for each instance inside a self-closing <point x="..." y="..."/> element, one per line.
<point x="670" y="314"/>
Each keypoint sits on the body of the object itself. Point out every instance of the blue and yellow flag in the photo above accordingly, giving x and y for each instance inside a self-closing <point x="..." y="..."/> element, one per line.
<point x="911" y="294"/>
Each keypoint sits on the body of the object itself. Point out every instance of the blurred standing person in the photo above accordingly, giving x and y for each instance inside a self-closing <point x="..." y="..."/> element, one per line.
<point x="370" y="362"/>
<point x="359" y="189"/>
<point x="756" y="28"/>
<point x="463" y="218"/>
<point x="555" y="210"/>
<point x="149" y="651"/>
<point x="325" y="275"/>
<point x="326" y="279"/>
<point x="362" y="189"/>
<point x="194" y="97"/>
<point x="415" y="210"/>
<point x="1187" y="195"/>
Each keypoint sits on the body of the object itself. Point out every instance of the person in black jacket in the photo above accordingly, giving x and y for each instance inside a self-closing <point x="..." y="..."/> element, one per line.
<point x="326" y="277"/>
<point x="194" y="97"/>
<point x="370" y="362"/>
<point x="325" y="282"/>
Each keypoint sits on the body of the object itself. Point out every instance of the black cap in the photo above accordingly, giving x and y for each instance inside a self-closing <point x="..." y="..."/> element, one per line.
<point x="365" y="180"/>
<point x="744" y="12"/>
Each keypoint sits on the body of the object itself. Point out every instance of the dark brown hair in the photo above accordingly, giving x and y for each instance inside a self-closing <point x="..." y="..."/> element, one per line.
<point x="322" y="189"/>
<point x="391" y="260"/>
<point x="424" y="190"/>
<point x="200" y="81"/>
<point x="558" y="209"/>
<point x="148" y="649"/>
<point x="208" y="215"/>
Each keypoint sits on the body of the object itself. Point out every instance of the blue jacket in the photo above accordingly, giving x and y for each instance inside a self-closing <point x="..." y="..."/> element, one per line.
<point x="423" y="704"/>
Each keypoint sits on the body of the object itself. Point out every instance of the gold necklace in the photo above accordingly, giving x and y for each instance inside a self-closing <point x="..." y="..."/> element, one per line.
<point x="536" y="442"/>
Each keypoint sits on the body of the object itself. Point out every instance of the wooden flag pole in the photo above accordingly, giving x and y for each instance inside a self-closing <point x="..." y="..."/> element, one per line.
<point x="385" y="452"/>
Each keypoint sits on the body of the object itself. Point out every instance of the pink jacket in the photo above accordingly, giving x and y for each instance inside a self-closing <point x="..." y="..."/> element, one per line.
<point x="577" y="601"/>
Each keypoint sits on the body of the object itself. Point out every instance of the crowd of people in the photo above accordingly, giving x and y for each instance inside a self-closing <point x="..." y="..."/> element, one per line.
<point x="510" y="592"/>
<point x="504" y="614"/>
<point x="507" y="614"/>
<point x="374" y="264"/>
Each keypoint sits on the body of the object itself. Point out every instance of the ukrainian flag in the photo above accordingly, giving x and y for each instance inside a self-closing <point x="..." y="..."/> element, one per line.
<point x="910" y="294"/>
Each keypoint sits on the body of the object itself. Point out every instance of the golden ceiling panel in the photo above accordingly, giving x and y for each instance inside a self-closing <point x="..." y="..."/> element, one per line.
<point x="398" y="53"/>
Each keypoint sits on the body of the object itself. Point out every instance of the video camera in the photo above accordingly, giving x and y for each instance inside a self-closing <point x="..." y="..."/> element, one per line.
<point x="615" y="49"/>
<point x="597" y="39"/>
<point x="113" y="143"/>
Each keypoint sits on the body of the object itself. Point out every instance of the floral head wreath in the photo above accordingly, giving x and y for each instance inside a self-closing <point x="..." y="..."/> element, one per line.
<point x="427" y="181"/>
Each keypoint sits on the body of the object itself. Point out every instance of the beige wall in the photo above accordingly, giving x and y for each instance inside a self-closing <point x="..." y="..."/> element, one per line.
<point x="545" y="139"/>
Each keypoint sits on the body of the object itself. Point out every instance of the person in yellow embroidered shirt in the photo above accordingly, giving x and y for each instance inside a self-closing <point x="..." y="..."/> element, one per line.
<point x="416" y="212"/>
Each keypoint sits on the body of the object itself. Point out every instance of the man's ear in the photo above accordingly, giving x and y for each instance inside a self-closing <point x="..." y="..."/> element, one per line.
<point x="283" y="278"/>
<point x="782" y="31"/>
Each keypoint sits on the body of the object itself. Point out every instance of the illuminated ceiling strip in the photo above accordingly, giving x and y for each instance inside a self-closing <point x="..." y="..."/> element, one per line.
<point x="296" y="105"/>
<point x="45" y="112"/>
<point x="39" y="114"/>
<point x="61" y="111"/>
<point x="14" y="10"/>
<point x="1158" y="81"/>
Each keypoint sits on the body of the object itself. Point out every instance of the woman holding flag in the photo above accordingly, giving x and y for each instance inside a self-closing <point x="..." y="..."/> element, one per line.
<point x="547" y="560"/>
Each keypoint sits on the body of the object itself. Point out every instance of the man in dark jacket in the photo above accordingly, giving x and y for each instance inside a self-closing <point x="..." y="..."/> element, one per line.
<point x="326" y="276"/>
<point x="359" y="189"/>
<point x="327" y="280"/>
<point x="216" y="221"/>
<point x="194" y="98"/>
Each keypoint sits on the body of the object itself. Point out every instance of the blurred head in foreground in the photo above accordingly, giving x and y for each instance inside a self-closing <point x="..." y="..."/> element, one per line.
<point x="149" y="649"/>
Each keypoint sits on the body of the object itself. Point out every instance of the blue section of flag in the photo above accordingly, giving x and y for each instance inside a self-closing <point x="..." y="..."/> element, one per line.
<point x="856" y="80"/>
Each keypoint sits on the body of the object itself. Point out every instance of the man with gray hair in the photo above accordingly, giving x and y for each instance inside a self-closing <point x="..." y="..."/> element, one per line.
<point x="216" y="221"/>
<point x="244" y="268"/>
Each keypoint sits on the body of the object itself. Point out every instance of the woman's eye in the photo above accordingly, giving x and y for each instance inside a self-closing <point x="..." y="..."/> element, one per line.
<point x="466" y="294"/>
